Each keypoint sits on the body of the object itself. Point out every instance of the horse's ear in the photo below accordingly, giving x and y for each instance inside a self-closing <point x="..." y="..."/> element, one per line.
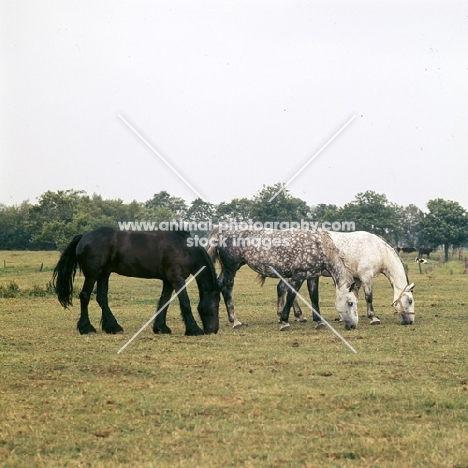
<point x="355" y="285"/>
<point x="410" y="287"/>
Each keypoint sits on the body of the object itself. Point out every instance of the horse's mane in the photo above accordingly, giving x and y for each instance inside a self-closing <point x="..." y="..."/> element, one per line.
<point x="395" y="255"/>
<point x="184" y="234"/>
<point x="330" y="245"/>
<point x="400" y="260"/>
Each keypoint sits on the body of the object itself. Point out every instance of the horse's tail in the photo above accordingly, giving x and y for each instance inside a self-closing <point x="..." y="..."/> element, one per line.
<point x="261" y="279"/>
<point x="64" y="273"/>
<point x="212" y="245"/>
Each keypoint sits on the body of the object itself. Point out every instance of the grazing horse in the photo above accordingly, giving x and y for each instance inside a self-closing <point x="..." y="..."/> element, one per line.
<point x="368" y="255"/>
<point x="161" y="255"/>
<point x="405" y="249"/>
<point x="294" y="254"/>
<point x="424" y="251"/>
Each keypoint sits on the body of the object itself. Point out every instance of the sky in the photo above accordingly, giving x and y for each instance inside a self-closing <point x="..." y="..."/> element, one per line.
<point x="230" y="96"/>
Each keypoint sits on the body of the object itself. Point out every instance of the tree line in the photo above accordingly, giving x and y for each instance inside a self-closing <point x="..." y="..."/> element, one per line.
<point x="52" y="222"/>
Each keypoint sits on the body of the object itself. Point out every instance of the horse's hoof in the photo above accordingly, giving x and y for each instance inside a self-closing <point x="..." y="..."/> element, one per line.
<point x="113" y="332"/>
<point x="285" y="326"/>
<point x="238" y="326"/>
<point x="301" y="319"/>
<point x="320" y="326"/>
<point x="85" y="332"/>
<point x="375" y="321"/>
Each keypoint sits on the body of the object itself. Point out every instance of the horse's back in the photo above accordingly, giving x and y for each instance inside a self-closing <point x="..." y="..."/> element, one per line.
<point x="93" y="249"/>
<point x="263" y="249"/>
<point x="133" y="253"/>
<point x="365" y="252"/>
<point x="99" y="236"/>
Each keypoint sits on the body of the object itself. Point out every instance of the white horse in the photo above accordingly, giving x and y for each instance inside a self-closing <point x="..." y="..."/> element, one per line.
<point x="368" y="255"/>
<point x="294" y="254"/>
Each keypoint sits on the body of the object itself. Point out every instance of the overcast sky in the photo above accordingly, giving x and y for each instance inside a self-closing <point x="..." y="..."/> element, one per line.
<point x="234" y="95"/>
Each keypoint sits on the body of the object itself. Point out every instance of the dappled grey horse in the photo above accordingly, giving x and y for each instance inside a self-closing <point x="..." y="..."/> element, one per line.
<point x="294" y="254"/>
<point x="367" y="255"/>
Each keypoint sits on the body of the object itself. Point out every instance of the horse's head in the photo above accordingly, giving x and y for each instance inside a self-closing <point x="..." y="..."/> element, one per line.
<point x="208" y="308"/>
<point x="346" y="304"/>
<point x="404" y="305"/>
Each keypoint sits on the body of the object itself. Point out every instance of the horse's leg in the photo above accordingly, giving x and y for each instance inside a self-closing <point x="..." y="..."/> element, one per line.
<point x="226" y="280"/>
<point x="159" y="325"/>
<point x="84" y="325"/>
<point x="291" y="296"/>
<point x="282" y="289"/>
<point x="300" y="317"/>
<point x="367" y="286"/>
<point x="108" y="322"/>
<point x="191" y="327"/>
<point x="313" y="287"/>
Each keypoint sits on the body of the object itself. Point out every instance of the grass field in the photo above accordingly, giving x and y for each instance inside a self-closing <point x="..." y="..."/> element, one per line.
<point x="253" y="397"/>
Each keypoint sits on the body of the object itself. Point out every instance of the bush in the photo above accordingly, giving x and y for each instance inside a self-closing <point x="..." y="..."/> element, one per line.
<point x="10" y="290"/>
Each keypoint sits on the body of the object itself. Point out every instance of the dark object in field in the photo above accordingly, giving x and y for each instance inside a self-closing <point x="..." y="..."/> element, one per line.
<point x="160" y="255"/>
<point x="405" y="249"/>
<point x="424" y="251"/>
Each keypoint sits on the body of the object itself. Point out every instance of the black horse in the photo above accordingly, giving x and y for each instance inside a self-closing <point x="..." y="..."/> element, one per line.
<point x="161" y="254"/>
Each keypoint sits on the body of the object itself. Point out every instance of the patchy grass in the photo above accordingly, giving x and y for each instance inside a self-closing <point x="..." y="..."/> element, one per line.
<point x="253" y="397"/>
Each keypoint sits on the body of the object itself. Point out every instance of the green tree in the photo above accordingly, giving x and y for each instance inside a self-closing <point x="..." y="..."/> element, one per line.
<point x="110" y="212"/>
<point x="284" y="207"/>
<point x="372" y="212"/>
<point x="410" y="219"/>
<point x="14" y="227"/>
<point x="325" y="212"/>
<point x="52" y="217"/>
<point x="200" y="212"/>
<point x="164" y="207"/>
<point x="59" y="216"/>
<point x="238" y="209"/>
<point x="446" y="224"/>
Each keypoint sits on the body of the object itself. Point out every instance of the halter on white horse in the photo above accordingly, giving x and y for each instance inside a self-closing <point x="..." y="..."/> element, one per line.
<point x="397" y="303"/>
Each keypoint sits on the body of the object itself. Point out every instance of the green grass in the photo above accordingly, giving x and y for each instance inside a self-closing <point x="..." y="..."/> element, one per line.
<point x="253" y="397"/>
